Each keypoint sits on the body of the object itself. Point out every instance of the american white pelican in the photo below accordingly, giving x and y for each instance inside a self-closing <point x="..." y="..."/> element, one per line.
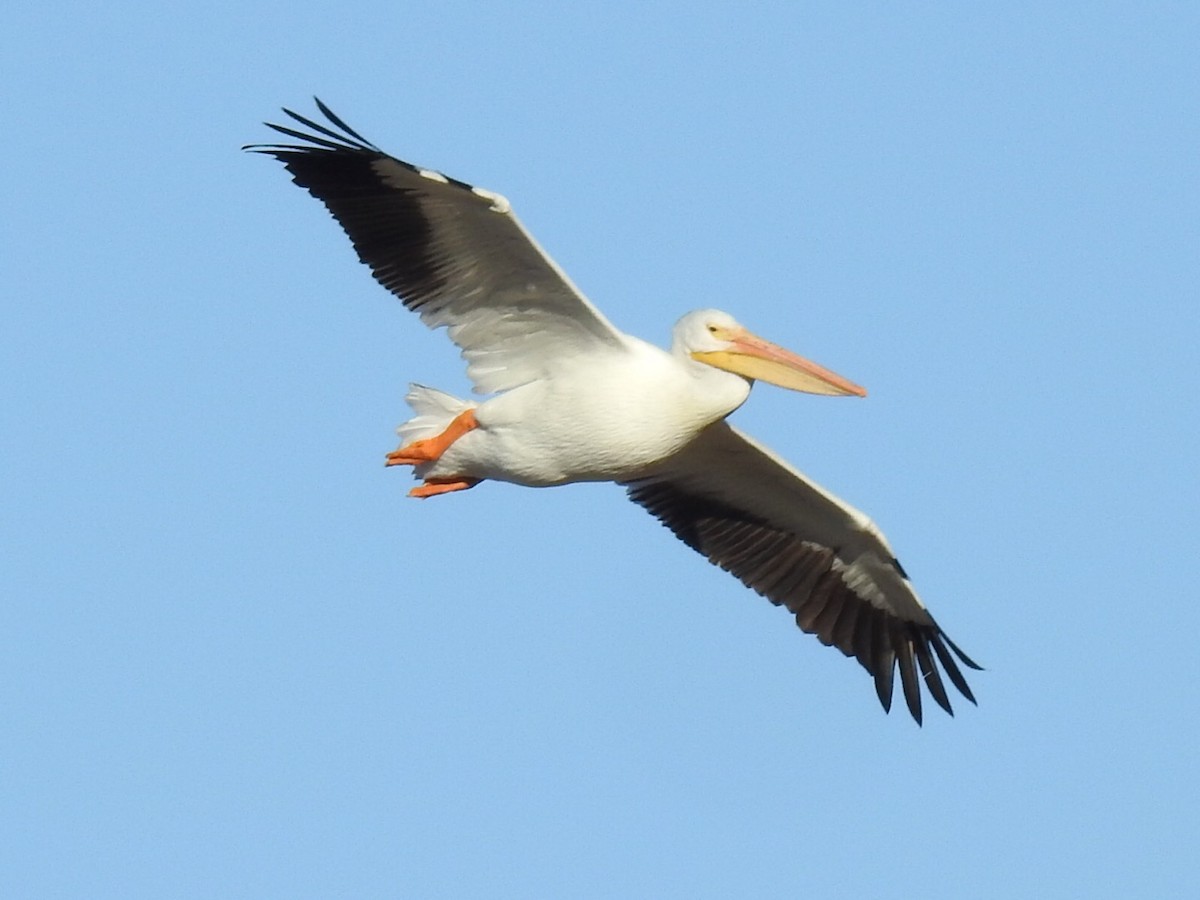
<point x="574" y="399"/>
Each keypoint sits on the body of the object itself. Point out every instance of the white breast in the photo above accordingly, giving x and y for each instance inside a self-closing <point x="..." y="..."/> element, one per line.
<point x="600" y="417"/>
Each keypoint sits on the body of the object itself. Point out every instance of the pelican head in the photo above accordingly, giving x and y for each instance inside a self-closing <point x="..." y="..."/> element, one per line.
<point x="716" y="339"/>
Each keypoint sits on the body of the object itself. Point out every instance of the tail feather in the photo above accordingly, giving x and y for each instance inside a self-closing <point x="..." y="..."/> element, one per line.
<point x="434" y="411"/>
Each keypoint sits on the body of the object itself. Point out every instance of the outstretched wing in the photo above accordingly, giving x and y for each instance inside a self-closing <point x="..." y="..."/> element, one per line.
<point x="451" y="252"/>
<point x="755" y="516"/>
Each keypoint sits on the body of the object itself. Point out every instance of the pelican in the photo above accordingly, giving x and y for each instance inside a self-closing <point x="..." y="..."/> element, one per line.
<point x="570" y="398"/>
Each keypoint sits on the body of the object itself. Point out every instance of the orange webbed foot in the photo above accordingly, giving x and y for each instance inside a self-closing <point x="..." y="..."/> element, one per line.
<point x="431" y="449"/>
<point x="414" y="454"/>
<point x="434" y="486"/>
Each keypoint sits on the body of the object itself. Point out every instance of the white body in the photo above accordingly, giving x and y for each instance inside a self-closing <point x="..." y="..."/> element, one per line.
<point x="605" y="416"/>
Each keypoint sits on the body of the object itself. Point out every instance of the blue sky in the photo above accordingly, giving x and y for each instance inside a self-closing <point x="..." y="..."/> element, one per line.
<point x="236" y="661"/>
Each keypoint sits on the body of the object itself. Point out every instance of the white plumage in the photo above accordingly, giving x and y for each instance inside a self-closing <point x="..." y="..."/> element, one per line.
<point x="572" y="399"/>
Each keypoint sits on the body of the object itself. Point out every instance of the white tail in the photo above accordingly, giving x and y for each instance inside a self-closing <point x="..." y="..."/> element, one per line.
<point x="434" y="410"/>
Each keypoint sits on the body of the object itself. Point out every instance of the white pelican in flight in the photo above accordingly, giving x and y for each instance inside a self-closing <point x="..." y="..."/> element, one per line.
<point x="574" y="399"/>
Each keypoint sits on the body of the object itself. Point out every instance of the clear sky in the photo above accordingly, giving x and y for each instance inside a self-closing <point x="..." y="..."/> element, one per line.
<point x="235" y="661"/>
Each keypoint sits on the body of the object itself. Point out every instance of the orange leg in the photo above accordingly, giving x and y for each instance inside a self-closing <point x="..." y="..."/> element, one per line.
<point x="434" y="486"/>
<point x="431" y="449"/>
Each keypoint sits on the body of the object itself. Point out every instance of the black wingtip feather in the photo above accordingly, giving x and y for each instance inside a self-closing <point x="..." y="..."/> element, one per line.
<point x="348" y="139"/>
<point x="883" y="690"/>
<point x="340" y="123"/>
<point x="932" y="679"/>
<point x="908" y="675"/>
<point x="883" y="665"/>
<point x="302" y="136"/>
<point x="966" y="660"/>
<point x="952" y="670"/>
<point x="315" y="126"/>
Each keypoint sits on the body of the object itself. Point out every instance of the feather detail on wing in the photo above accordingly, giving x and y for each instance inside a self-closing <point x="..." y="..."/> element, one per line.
<point x="451" y="252"/>
<point x="754" y="516"/>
